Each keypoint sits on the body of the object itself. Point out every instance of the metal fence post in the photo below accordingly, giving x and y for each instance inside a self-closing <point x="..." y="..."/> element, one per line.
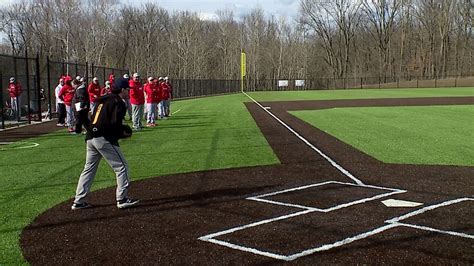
<point x="1" y="100"/>
<point x="87" y="72"/>
<point x="28" y="114"/>
<point x="38" y="89"/>
<point x="50" y="106"/>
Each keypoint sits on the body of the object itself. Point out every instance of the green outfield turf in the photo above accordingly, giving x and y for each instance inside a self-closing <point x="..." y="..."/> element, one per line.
<point x="361" y="94"/>
<point x="207" y="133"/>
<point x="436" y="135"/>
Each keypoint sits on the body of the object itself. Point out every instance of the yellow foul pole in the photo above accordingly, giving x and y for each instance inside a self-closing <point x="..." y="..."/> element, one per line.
<point x="242" y="70"/>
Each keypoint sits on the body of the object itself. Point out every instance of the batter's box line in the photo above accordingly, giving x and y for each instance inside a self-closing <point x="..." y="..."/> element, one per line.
<point x="211" y="237"/>
<point x="337" y="207"/>
<point x="396" y="220"/>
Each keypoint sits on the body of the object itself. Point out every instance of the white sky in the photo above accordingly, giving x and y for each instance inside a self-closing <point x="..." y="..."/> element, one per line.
<point x="207" y="8"/>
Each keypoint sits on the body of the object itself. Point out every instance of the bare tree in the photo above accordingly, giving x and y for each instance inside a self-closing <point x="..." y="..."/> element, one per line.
<point x="383" y="17"/>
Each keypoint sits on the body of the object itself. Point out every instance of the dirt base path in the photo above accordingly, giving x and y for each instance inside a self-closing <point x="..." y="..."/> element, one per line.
<point x="28" y="131"/>
<point x="333" y="220"/>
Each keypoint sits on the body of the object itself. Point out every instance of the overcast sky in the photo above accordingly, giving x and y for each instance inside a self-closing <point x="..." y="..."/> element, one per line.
<point x="207" y="8"/>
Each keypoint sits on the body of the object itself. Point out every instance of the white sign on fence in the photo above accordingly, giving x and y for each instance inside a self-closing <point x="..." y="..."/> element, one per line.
<point x="299" y="83"/>
<point x="283" y="83"/>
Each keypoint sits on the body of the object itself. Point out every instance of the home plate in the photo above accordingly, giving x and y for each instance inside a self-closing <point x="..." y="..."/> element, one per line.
<point x="267" y="107"/>
<point x="400" y="203"/>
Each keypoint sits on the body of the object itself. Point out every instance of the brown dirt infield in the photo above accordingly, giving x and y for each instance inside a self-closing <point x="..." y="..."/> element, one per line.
<point x="176" y="210"/>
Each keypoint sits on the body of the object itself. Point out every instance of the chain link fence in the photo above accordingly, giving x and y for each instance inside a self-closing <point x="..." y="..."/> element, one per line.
<point x="357" y="83"/>
<point x="38" y="79"/>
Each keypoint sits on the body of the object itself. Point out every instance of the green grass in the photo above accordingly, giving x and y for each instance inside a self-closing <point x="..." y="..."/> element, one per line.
<point x="360" y="94"/>
<point x="208" y="133"/>
<point x="434" y="135"/>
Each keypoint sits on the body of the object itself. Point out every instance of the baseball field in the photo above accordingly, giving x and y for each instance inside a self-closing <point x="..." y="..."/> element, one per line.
<point x="256" y="178"/>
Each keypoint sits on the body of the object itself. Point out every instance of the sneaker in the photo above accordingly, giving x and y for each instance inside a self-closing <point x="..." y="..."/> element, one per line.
<point x="78" y="206"/>
<point x="126" y="203"/>
<point x="59" y="125"/>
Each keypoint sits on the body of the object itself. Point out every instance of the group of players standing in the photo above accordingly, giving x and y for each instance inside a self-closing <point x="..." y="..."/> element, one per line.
<point x="75" y="100"/>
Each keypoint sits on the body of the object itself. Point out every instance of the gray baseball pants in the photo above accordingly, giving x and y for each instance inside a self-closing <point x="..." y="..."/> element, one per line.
<point x="137" y="115"/>
<point x="96" y="149"/>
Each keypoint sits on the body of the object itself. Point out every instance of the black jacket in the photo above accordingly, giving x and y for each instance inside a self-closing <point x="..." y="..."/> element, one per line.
<point x="106" y="121"/>
<point x="81" y="96"/>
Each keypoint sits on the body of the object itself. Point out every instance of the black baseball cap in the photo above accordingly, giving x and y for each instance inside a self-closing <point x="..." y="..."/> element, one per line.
<point x="119" y="85"/>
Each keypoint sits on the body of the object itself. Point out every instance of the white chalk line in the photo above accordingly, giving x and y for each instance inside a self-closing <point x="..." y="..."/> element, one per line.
<point x="340" y="206"/>
<point x="393" y="223"/>
<point x="331" y="161"/>
<point x="250" y="250"/>
<point x="397" y="220"/>
<point x="427" y="208"/>
<point x="32" y="145"/>
<point x="426" y="228"/>
<point x="342" y="242"/>
<point x="175" y="112"/>
<point x="235" y="229"/>
<point x="306" y="210"/>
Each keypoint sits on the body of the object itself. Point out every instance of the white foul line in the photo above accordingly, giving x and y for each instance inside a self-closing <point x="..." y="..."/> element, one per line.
<point x="426" y="228"/>
<point x="331" y="161"/>
<point x="393" y="223"/>
<point x="427" y="208"/>
<point x="397" y="220"/>
<point x="176" y="111"/>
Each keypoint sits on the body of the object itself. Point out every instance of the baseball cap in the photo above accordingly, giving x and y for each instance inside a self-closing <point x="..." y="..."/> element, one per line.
<point x="12" y="79"/>
<point x="126" y="76"/>
<point x="120" y="84"/>
<point x="95" y="79"/>
<point x="136" y="75"/>
<point x="166" y="78"/>
<point x="151" y="78"/>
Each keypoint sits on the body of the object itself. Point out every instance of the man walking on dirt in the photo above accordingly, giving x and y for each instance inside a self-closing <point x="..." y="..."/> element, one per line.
<point x="102" y="141"/>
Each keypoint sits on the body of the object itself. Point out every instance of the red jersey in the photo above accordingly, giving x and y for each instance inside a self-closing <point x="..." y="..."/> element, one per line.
<point x="152" y="93"/>
<point x="111" y="79"/>
<point x="14" y="89"/>
<point x="94" y="92"/>
<point x="165" y="91"/>
<point x="137" y="96"/>
<point x="67" y="93"/>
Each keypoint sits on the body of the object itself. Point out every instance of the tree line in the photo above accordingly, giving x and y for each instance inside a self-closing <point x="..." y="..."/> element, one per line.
<point x="336" y="39"/>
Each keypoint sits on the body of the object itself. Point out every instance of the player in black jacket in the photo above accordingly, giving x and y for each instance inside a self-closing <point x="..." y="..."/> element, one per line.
<point x="81" y="104"/>
<point x="102" y="141"/>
